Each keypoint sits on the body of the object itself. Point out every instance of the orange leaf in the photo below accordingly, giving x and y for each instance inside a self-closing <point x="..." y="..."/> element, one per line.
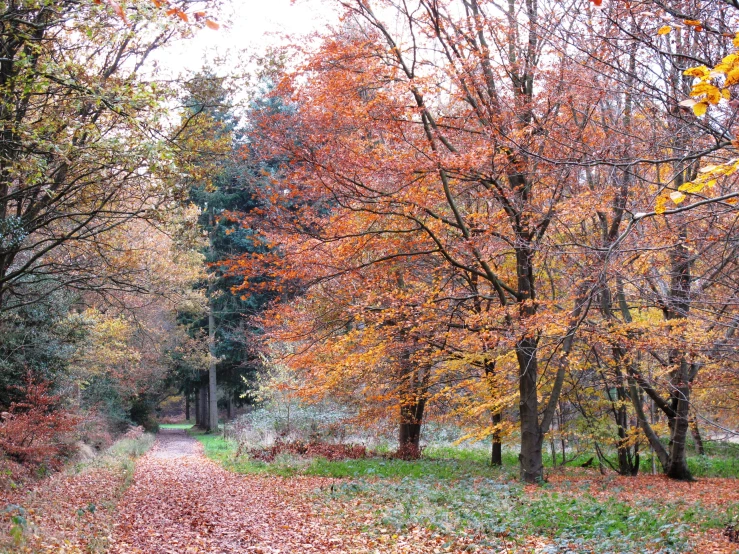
<point x="183" y="16"/>
<point x="212" y="24"/>
<point x="117" y="9"/>
<point x="199" y="15"/>
<point x="597" y="2"/>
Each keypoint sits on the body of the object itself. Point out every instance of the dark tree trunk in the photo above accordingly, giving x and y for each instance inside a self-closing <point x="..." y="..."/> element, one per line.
<point x="409" y="437"/>
<point x="187" y="407"/>
<point x="203" y="405"/>
<point x="497" y="451"/>
<point x="530" y="458"/>
<point x="677" y="308"/>
<point x="196" y="397"/>
<point x="229" y="406"/>
<point x="697" y="437"/>
<point x="212" y="417"/>
<point x="678" y="468"/>
<point x="409" y="431"/>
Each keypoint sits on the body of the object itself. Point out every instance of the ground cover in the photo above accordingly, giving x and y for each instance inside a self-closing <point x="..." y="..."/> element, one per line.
<point x="454" y="494"/>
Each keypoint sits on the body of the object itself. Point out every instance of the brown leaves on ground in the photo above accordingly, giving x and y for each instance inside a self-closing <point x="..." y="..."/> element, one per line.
<point x="714" y="492"/>
<point x="181" y="502"/>
<point x="66" y="513"/>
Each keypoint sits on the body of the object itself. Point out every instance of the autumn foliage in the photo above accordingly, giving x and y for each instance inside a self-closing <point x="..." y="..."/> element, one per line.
<point x="471" y="215"/>
<point x="35" y="431"/>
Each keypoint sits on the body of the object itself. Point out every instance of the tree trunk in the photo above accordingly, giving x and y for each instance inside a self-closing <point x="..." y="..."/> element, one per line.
<point x="409" y="430"/>
<point x="530" y="458"/>
<point x="196" y="396"/>
<point x="409" y="438"/>
<point x="497" y="452"/>
<point x="204" y="404"/>
<point x="678" y="467"/>
<point x="697" y="437"/>
<point x="212" y="384"/>
<point x="187" y="407"/>
<point x="678" y="307"/>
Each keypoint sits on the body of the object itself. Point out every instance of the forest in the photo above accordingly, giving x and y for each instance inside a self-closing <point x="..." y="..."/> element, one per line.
<point x="437" y="276"/>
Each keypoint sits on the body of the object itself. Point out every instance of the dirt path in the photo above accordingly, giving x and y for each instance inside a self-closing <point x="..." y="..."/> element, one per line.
<point x="182" y="502"/>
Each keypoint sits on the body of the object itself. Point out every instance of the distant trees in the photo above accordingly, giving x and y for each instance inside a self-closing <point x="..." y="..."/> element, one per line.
<point x="222" y="176"/>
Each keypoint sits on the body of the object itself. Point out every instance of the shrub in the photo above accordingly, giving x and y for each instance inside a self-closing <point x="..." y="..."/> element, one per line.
<point x="36" y="432"/>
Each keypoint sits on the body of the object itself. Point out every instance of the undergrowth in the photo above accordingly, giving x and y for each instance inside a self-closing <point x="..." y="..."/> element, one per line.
<point x="496" y="511"/>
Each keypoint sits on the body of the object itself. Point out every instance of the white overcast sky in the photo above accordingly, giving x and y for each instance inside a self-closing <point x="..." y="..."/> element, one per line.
<point x="247" y="26"/>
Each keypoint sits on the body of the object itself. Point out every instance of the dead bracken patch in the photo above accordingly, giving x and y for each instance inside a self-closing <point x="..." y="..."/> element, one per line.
<point x="310" y="450"/>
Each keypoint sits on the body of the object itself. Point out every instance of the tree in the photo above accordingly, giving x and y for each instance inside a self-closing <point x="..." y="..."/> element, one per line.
<point x="516" y="152"/>
<point x="82" y="151"/>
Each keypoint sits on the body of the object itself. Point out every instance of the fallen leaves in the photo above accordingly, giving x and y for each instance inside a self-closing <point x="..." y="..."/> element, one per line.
<point x="70" y="513"/>
<point x="182" y="502"/>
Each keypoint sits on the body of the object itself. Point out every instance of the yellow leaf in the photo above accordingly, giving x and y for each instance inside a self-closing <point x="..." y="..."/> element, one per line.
<point x="700" y="71"/>
<point x="677" y="197"/>
<point x="700" y="108"/>
<point x="712" y="93"/>
<point x="664" y="30"/>
<point x="725" y="94"/>
<point x="659" y="205"/>
<point x="692" y="187"/>
<point x="732" y="77"/>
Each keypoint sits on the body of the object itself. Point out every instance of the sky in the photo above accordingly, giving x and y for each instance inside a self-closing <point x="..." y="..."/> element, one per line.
<point x="247" y="26"/>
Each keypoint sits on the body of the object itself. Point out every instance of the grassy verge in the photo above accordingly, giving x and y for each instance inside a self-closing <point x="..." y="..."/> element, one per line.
<point x="434" y="465"/>
<point x="443" y="462"/>
<point x="175" y="425"/>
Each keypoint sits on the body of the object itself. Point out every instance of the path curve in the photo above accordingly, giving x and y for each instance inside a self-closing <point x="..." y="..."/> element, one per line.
<point x="182" y="502"/>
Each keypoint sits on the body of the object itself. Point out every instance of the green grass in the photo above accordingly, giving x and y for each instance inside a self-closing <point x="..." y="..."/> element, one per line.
<point x="175" y="425"/>
<point x="441" y="462"/>
<point x="436" y="464"/>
